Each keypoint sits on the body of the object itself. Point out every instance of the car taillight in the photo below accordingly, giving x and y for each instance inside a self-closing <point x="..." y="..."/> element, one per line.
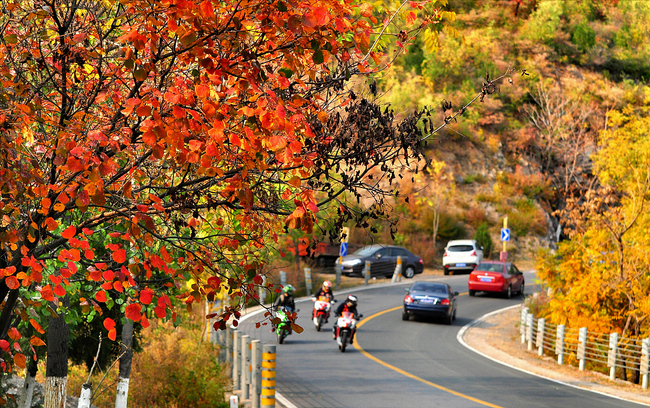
<point x="445" y="302"/>
<point x="473" y="253"/>
<point x="446" y="254"/>
<point x="421" y="261"/>
<point x="472" y="276"/>
<point x="408" y="299"/>
<point x="499" y="278"/>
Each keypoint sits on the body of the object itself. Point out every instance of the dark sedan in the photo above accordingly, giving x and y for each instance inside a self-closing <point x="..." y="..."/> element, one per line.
<point x="383" y="260"/>
<point x="430" y="299"/>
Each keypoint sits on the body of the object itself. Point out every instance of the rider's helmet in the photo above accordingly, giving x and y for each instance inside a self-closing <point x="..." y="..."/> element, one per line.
<point x="287" y="289"/>
<point x="352" y="299"/>
<point x="327" y="284"/>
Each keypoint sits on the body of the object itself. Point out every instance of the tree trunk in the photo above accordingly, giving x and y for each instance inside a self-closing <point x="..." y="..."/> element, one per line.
<point x="125" y="365"/>
<point x="28" y="388"/>
<point x="56" y="373"/>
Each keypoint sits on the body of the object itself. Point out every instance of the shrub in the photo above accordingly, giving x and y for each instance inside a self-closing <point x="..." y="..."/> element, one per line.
<point x="584" y="37"/>
<point x="484" y="239"/>
<point x="178" y="368"/>
<point x="476" y="216"/>
<point x="526" y="218"/>
<point x="450" y="227"/>
<point x="175" y="369"/>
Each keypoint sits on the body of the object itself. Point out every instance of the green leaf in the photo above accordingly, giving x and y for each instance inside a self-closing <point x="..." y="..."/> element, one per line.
<point x="139" y="74"/>
<point x="318" y="57"/>
<point x="282" y="7"/>
<point x="286" y="72"/>
<point x="11" y="38"/>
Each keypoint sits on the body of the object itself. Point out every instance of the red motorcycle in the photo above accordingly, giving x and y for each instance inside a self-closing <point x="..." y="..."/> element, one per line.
<point x="346" y="327"/>
<point x="321" y="310"/>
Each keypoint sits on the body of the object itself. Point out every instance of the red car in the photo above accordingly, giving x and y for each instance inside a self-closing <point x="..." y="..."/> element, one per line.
<point x="496" y="276"/>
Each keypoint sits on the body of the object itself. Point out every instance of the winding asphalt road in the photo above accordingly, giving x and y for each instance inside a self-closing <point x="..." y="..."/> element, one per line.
<point x="399" y="363"/>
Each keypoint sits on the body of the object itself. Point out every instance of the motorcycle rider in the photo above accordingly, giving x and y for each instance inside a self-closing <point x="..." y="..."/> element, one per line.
<point x="325" y="294"/>
<point x="285" y="300"/>
<point x="350" y="305"/>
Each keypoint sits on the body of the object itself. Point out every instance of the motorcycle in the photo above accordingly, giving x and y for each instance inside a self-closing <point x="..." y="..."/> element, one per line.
<point x="283" y="329"/>
<point x="321" y="311"/>
<point x="346" y="326"/>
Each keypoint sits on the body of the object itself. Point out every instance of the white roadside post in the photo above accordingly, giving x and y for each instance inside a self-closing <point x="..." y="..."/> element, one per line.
<point x="397" y="275"/>
<point x="245" y="362"/>
<point x="236" y="360"/>
<point x="530" y="322"/>
<point x="559" y="344"/>
<point x="645" y="367"/>
<point x="308" y="284"/>
<point x="522" y="324"/>
<point x="261" y="291"/>
<point x="366" y="272"/>
<point x="256" y="374"/>
<point x="582" y="347"/>
<point x="229" y="337"/>
<point x="612" y="354"/>
<point x="539" y="341"/>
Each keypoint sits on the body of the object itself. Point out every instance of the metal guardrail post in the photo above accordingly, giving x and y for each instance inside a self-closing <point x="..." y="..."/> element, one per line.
<point x="267" y="399"/>
<point x="236" y="360"/>
<point x="397" y="275"/>
<point x="539" y="341"/>
<point x="645" y="359"/>
<point x="559" y="344"/>
<point x="530" y="322"/>
<point x="522" y="324"/>
<point x="245" y="362"/>
<point x="339" y="270"/>
<point x="261" y="291"/>
<point x="308" y="285"/>
<point x="612" y="354"/>
<point x="256" y="377"/>
<point x="229" y="337"/>
<point x="581" y="354"/>
<point x="366" y="272"/>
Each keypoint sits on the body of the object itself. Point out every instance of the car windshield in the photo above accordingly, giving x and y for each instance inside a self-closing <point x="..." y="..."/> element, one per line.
<point x="428" y="287"/>
<point x="365" y="251"/>
<point x="460" y="248"/>
<point x="489" y="267"/>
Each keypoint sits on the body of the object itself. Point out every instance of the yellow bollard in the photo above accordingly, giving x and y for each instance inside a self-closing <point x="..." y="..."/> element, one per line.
<point x="267" y="398"/>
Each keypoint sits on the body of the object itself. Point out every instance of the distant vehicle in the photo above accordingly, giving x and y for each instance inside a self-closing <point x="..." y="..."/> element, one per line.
<point x="497" y="276"/>
<point x="461" y="255"/>
<point x="318" y="254"/>
<point x="383" y="260"/>
<point x="430" y="299"/>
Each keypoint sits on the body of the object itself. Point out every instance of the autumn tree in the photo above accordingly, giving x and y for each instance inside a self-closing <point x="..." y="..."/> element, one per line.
<point x="599" y="278"/>
<point x="174" y="138"/>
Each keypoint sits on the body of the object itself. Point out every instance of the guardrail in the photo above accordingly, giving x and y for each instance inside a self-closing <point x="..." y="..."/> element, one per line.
<point x="601" y="351"/>
<point x="250" y="365"/>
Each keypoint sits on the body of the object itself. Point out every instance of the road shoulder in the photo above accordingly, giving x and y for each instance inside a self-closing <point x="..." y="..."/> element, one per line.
<point x="497" y="337"/>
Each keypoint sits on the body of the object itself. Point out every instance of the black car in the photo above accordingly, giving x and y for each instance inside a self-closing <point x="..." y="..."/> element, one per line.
<point x="383" y="260"/>
<point x="430" y="299"/>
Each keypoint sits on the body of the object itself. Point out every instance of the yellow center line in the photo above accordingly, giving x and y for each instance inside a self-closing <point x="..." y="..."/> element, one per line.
<point x="440" y="387"/>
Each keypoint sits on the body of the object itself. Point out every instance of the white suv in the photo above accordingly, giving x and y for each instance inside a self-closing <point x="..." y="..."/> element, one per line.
<point x="461" y="255"/>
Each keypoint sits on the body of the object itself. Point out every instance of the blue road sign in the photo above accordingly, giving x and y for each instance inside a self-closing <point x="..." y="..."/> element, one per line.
<point x="344" y="249"/>
<point x="505" y="234"/>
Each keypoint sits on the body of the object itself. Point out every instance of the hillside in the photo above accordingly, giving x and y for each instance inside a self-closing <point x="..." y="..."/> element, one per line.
<point x="525" y="150"/>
